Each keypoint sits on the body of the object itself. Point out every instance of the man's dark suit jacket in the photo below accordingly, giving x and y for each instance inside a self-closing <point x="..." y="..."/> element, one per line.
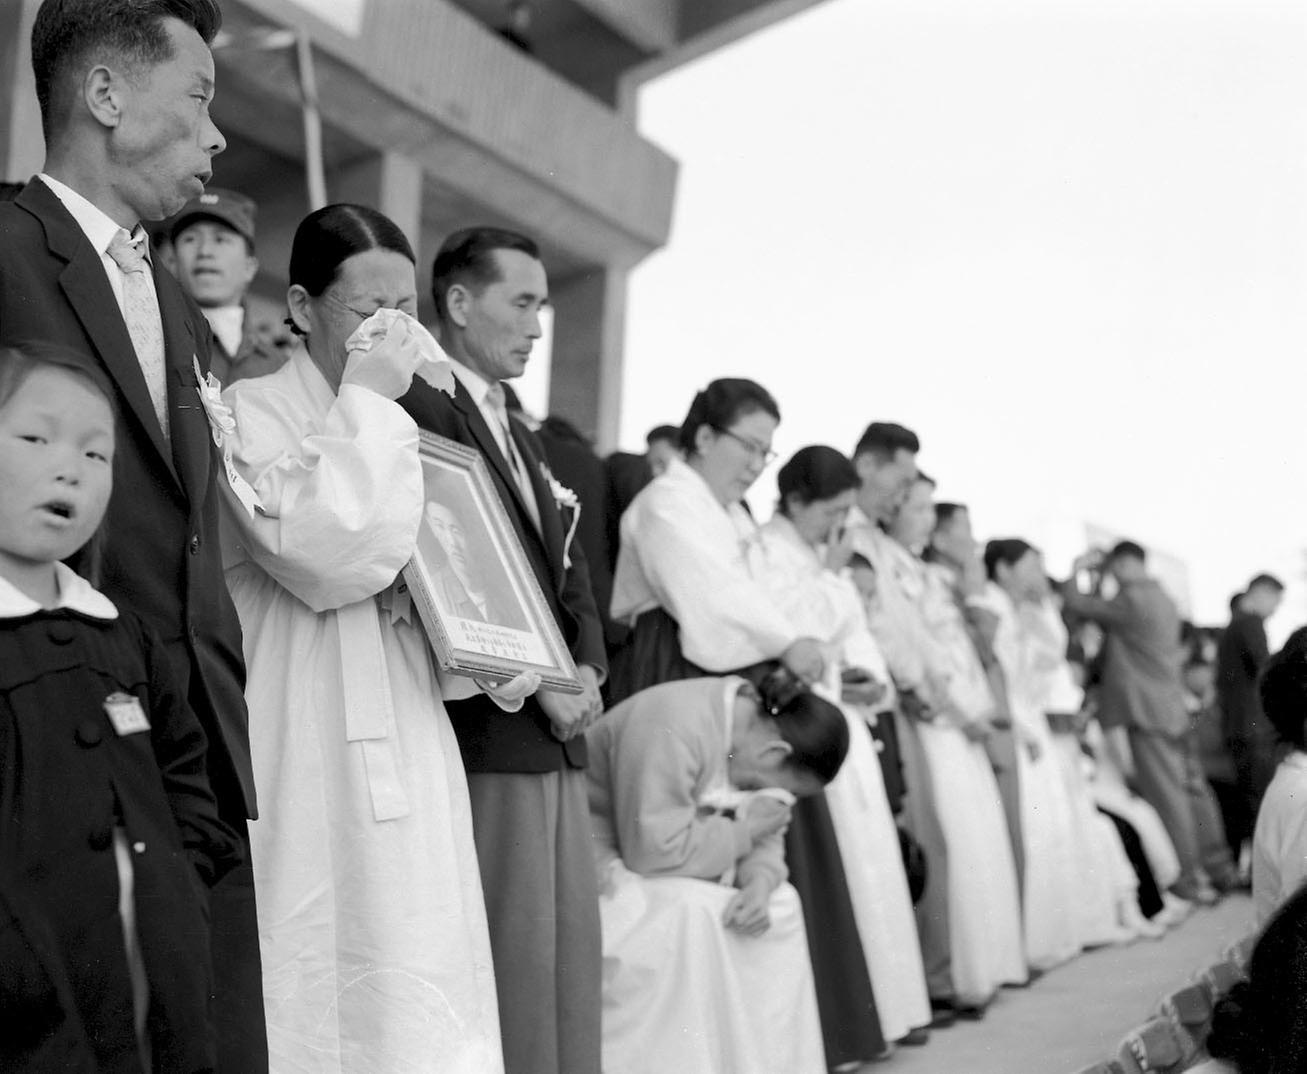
<point x="1240" y="656"/>
<point x="492" y="740"/>
<point x="162" y="557"/>
<point x="575" y="464"/>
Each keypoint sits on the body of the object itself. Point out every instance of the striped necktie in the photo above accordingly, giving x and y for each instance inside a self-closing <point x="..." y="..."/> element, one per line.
<point x="144" y="324"/>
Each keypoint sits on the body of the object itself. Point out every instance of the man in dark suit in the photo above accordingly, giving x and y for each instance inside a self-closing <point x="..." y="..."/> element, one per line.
<point x="529" y="812"/>
<point x="124" y="88"/>
<point x="1240" y="656"/>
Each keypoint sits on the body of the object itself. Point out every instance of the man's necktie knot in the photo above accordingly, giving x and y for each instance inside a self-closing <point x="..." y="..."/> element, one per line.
<point x="127" y="252"/>
<point x="496" y="397"/>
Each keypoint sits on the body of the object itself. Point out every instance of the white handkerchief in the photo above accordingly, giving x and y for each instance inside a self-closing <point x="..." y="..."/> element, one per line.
<point x="394" y="328"/>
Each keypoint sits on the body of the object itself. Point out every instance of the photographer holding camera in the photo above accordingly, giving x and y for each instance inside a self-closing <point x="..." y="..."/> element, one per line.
<point x="1141" y="693"/>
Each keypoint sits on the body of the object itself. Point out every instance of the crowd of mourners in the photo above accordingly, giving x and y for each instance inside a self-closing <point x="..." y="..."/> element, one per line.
<point x="829" y="782"/>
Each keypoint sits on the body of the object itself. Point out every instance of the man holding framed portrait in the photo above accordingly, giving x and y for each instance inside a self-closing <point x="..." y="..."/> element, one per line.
<point x="529" y="810"/>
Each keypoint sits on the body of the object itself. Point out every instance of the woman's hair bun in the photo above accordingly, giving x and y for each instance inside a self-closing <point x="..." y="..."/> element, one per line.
<point x="779" y="689"/>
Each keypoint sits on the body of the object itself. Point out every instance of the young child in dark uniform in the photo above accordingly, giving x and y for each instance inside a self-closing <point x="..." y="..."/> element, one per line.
<point x="108" y="829"/>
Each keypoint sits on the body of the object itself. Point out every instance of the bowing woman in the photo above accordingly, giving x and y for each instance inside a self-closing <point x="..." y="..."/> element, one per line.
<point x="372" y="925"/>
<point x="706" y="962"/>
<point x="685" y="585"/>
<point x="798" y="557"/>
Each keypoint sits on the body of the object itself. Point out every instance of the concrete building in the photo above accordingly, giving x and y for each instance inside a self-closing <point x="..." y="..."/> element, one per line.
<point x="431" y="114"/>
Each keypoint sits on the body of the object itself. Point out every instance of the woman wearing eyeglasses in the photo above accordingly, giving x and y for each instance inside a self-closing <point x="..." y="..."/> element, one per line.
<point x="697" y="605"/>
<point x="372" y="925"/>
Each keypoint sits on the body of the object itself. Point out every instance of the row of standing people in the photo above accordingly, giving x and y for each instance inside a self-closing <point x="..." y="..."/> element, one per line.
<point x="1023" y="869"/>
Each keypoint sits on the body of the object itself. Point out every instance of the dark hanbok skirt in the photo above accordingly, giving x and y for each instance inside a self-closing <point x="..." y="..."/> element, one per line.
<point x="850" y="1025"/>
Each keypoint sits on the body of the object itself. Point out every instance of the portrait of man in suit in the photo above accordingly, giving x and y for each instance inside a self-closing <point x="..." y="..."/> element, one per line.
<point x="468" y="581"/>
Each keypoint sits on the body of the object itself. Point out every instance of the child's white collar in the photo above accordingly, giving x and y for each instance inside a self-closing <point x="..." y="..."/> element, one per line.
<point x="75" y="593"/>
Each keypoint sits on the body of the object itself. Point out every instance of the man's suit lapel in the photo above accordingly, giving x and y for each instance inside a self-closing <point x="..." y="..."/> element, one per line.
<point x="191" y="438"/>
<point x="87" y="289"/>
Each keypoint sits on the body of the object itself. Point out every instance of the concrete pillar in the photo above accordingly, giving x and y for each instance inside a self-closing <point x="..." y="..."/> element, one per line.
<point x="589" y="329"/>
<point x="22" y="146"/>
<point x="387" y="181"/>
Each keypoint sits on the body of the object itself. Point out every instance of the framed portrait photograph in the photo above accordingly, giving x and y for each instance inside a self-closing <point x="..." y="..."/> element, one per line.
<point x="470" y="581"/>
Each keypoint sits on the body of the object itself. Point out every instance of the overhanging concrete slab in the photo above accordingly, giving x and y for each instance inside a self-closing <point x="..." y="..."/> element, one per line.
<point x="424" y="79"/>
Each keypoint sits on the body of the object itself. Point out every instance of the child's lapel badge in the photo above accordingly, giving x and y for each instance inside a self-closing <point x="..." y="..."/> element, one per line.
<point x="125" y="713"/>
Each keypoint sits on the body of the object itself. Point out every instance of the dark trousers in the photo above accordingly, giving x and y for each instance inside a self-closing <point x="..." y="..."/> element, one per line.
<point x="1254" y="767"/>
<point x="1236" y="818"/>
<point x="921" y="820"/>
<point x="536" y="854"/>
<point x="1163" y="774"/>
<point x="1171" y="780"/>
<point x="237" y="968"/>
<point x="1150" y="896"/>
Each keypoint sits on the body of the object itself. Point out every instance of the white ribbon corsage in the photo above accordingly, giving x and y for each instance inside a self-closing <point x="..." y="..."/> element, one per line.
<point x="222" y="423"/>
<point x="565" y="500"/>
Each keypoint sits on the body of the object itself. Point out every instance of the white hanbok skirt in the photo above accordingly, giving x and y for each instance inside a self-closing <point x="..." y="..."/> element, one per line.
<point x="1105" y="878"/>
<point x="683" y="993"/>
<point x="376" y="955"/>
<point x="984" y="912"/>
<point x="1053" y="855"/>
<point x="878" y="887"/>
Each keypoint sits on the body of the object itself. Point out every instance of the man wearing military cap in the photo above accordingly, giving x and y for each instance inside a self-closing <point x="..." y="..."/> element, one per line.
<point x="213" y="238"/>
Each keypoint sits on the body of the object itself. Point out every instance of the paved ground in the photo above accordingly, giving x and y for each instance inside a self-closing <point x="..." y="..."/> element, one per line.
<point x="1078" y="1013"/>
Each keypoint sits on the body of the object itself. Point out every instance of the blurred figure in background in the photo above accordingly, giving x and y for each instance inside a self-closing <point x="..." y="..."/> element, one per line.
<point x="953" y="553"/>
<point x="1231" y="819"/>
<point x="1052" y="876"/>
<point x="1240" y="657"/>
<point x="1141" y="695"/>
<point x="213" y="246"/>
<point x="662" y="445"/>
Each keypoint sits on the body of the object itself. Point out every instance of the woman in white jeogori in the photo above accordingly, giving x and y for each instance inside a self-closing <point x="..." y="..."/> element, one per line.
<point x="816" y="492"/>
<point x="371" y="919"/>
<point x="1047" y="827"/>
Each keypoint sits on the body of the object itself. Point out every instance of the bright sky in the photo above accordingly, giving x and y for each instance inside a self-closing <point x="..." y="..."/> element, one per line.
<point x="1066" y="242"/>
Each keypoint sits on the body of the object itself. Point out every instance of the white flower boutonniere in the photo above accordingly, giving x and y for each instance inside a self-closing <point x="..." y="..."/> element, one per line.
<point x="222" y="424"/>
<point x="565" y="500"/>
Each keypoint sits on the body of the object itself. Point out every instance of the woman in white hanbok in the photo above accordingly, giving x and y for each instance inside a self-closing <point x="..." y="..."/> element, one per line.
<point x="371" y="920"/>
<point x="706" y="966"/>
<point x="1048" y="830"/>
<point x="816" y="488"/>
<point x="926" y="643"/>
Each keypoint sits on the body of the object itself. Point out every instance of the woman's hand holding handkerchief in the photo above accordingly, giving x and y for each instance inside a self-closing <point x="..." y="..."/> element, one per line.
<point x="389" y="349"/>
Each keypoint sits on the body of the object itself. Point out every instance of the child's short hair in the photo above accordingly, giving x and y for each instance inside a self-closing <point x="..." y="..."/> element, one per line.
<point x="18" y="361"/>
